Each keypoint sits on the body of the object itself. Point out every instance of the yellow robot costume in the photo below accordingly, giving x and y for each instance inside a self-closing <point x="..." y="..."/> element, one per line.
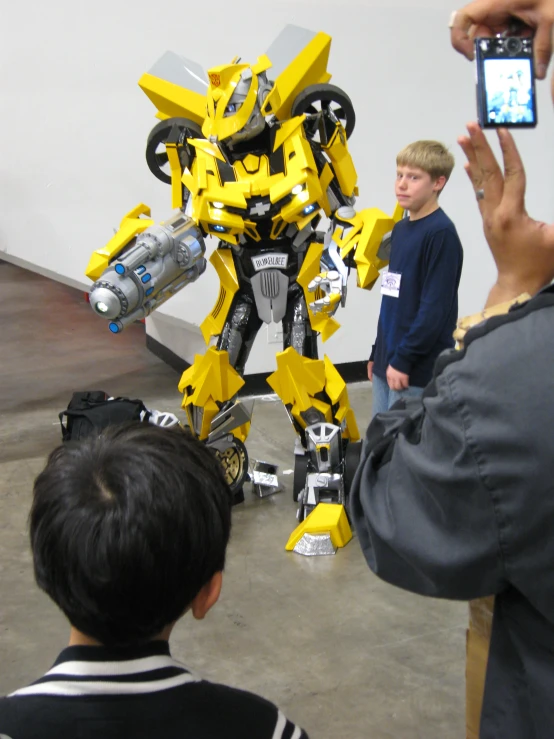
<point x="255" y="155"/>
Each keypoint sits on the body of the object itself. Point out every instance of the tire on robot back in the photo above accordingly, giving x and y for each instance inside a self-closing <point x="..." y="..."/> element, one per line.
<point x="325" y="95"/>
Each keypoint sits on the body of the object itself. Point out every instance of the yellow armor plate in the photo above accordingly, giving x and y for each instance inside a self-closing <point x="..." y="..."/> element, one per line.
<point x="308" y="68"/>
<point x="225" y="203"/>
<point x="298" y="380"/>
<point x="131" y="225"/>
<point x="173" y="100"/>
<point x="222" y="260"/>
<point x="209" y="381"/>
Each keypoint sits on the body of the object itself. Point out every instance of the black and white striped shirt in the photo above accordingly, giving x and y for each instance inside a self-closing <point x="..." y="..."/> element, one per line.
<point x="138" y="693"/>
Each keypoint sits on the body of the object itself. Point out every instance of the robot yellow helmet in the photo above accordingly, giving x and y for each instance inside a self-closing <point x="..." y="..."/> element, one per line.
<point x="233" y="110"/>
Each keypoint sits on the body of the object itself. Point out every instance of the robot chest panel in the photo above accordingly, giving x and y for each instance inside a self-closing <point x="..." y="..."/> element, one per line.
<point x="257" y="196"/>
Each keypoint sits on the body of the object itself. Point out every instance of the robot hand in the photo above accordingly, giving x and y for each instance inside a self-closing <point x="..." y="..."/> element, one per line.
<point x="332" y="284"/>
<point x="163" y="260"/>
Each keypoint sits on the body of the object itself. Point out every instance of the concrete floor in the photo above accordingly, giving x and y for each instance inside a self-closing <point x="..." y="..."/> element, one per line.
<point x="342" y="653"/>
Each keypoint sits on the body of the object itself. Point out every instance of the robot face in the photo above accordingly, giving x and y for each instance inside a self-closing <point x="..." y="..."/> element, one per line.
<point x="232" y="104"/>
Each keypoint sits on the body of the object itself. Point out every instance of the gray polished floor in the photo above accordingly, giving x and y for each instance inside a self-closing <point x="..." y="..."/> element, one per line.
<point x="342" y="653"/>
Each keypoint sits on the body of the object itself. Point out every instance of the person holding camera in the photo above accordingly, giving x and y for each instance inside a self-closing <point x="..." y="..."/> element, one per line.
<point x="454" y="495"/>
<point x="129" y="531"/>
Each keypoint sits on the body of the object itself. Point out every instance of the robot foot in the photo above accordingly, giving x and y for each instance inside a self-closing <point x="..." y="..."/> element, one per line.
<point x="325" y="530"/>
<point x="322" y="477"/>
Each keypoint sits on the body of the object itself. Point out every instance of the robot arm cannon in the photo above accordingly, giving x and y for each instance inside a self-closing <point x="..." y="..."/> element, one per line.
<point x="161" y="262"/>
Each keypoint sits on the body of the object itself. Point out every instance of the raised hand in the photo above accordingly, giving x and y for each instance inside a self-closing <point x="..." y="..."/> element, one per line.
<point x="522" y="247"/>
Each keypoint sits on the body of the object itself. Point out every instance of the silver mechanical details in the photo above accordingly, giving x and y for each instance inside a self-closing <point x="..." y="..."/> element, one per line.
<point x="230" y="450"/>
<point x="300" y="326"/>
<point x="232" y="336"/>
<point x="197" y="417"/>
<point x="270" y="288"/>
<point x="326" y="483"/>
<point x="109" y="294"/>
<point x="256" y="122"/>
<point x="163" y="260"/>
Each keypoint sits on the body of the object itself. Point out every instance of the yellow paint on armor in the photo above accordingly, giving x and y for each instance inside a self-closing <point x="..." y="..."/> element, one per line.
<point x="297" y="381"/>
<point x="131" y="225"/>
<point x="176" y="174"/>
<point x="309" y="67"/>
<point x="325" y="179"/>
<point x="325" y="324"/>
<point x="342" y="162"/>
<point x="207" y="147"/>
<point x="190" y="182"/>
<point x="173" y="100"/>
<point x="224" y="79"/>
<point x="286" y="130"/>
<point x="201" y="173"/>
<point x="210" y="380"/>
<point x="336" y="389"/>
<point x="262" y="65"/>
<point x="326" y="518"/>
<point x="304" y="154"/>
<point x="222" y="260"/>
<point x="364" y="232"/>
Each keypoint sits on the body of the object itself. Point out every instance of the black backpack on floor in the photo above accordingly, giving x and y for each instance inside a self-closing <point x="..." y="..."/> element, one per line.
<point x="93" y="410"/>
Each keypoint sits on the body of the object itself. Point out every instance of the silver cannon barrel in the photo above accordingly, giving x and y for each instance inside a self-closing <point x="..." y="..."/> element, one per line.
<point x="163" y="260"/>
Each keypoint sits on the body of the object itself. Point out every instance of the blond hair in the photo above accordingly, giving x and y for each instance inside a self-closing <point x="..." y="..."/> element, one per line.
<point x="430" y="156"/>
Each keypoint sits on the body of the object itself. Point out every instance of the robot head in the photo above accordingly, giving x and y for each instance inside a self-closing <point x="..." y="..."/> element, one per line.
<point x="235" y="96"/>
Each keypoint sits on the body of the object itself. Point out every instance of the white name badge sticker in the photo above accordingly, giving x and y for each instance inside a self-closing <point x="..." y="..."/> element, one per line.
<point x="390" y="284"/>
<point x="270" y="261"/>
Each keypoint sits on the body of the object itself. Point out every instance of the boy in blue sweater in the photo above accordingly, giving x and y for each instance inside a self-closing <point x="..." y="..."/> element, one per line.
<point x="419" y="307"/>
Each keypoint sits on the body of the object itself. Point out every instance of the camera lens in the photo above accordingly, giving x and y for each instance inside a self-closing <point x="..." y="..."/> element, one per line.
<point x="513" y="45"/>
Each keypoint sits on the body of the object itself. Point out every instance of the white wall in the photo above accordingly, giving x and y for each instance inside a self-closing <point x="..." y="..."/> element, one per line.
<point x="74" y="125"/>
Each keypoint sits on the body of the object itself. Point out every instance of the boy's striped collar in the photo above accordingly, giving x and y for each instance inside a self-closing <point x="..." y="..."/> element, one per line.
<point x="78" y="671"/>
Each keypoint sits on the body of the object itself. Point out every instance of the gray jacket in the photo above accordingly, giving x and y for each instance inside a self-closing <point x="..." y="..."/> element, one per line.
<point x="454" y="498"/>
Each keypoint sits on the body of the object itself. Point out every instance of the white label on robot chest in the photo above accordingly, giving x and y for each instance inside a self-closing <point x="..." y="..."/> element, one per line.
<point x="390" y="284"/>
<point x="269" y="261"/>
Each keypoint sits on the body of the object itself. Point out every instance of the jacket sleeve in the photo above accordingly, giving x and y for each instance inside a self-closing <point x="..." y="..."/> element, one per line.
<point x="424" y="518"/>
<point x="444" y="261"/>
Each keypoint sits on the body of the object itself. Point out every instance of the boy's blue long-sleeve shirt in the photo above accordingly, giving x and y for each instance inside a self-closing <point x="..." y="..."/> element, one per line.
<point x="417" y="326"/>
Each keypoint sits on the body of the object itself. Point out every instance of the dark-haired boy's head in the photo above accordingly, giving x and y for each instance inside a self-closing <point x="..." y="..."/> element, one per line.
<point x="127" y="528"/>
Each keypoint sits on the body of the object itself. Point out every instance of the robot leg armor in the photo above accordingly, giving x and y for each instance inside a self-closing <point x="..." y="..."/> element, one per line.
<point x="209" y="390"/>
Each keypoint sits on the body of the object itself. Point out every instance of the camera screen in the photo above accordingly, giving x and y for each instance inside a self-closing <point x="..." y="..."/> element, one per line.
<point x="509" y="91"/>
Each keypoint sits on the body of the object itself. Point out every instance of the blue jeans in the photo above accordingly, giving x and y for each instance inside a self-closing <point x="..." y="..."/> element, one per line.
<point x="384" y="398"/>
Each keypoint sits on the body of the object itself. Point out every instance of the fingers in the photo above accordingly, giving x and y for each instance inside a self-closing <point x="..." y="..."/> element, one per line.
<point x="397" y="385"/>
<point x="462" y="42"/>
<point x="489" y="17"/>
<point x="327" y="281"/>
<point x="472" y="167"/>
<point x="328" y="304"/>
<point x="315" y="283"/>
<point x="543" y="48"/>
<point x="480" y="18"/>
<point x="514" y="172"/>
<point x="490" y="174"/>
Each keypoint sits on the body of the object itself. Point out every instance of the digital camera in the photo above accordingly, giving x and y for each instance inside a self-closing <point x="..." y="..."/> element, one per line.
<point x="505" y="82"/>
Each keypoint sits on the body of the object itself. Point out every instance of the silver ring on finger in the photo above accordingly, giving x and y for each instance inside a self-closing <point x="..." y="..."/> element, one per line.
<point x="480" y="194"/>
